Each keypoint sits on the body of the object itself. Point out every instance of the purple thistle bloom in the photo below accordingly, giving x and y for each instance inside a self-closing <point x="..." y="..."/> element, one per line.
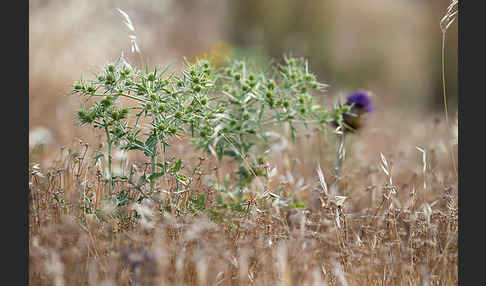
<point x="361" y="101"/>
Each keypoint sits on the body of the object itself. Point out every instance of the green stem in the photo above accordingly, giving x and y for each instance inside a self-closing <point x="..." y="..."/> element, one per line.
<point x="108" y="139"/>
<point x="126" y="95"/>
<point x="163" y="157"/>
<point x="152" y="183"/>
<point x="154" y="163"/>
<point x="273" y="121"/>
<point x="135" y="97"/>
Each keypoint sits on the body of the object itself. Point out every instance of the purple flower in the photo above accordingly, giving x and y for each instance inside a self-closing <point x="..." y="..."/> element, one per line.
<point x="360" y="101"/>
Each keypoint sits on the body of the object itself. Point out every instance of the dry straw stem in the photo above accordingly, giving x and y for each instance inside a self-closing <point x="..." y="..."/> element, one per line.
<point x="132" y="37"/>
<point x="356" y="242"/>
<point x="78" y="237"/>
<point x="446" y="21"/>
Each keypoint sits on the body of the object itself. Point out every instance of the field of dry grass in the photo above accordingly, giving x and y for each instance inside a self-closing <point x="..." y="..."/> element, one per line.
<point x="398" y="225"/>
<point x="392" y="220"/>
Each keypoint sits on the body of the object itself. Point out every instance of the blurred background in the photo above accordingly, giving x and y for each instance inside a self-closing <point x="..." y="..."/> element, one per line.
<point x="391" y="48"/>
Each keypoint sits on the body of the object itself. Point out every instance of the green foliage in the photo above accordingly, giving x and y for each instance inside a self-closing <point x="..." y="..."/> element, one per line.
<point x="197" y="202"/>
<point x="225" y="111"/>
<point x="252" y="101"/>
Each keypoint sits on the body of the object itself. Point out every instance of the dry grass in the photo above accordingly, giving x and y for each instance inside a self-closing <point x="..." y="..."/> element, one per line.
<point x="398" y="225"/>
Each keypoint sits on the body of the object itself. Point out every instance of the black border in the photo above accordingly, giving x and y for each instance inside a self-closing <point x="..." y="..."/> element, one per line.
<point x="471" y="109"/>
<point x="15" y="141"/>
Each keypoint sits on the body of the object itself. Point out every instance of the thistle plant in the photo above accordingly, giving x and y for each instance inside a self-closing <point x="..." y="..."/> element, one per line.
<point x="106" y="113"/>
<point x="252" y="101"/>
<point x="348" y="118"/>
<point x="160" y="99"/>
<point x="225" y="111"/>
